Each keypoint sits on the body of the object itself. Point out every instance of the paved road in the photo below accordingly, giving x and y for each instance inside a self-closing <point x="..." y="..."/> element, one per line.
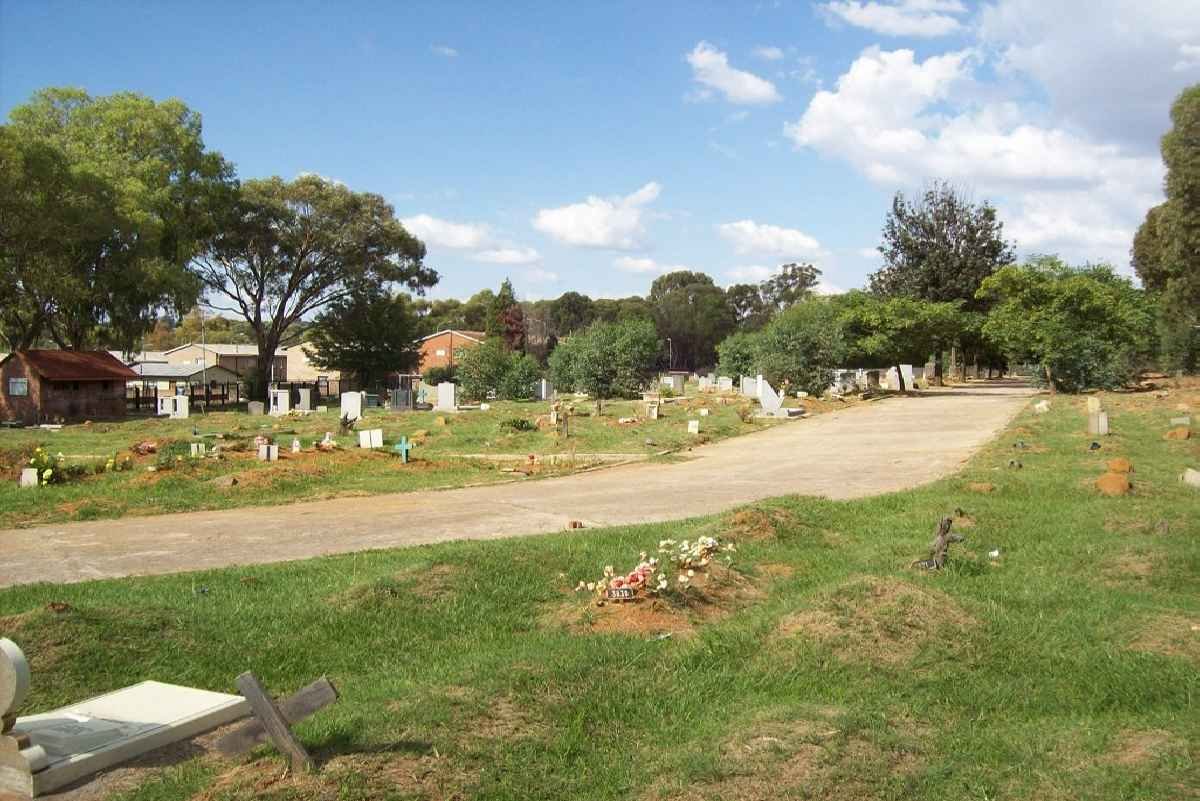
<point x="864" y="450"/>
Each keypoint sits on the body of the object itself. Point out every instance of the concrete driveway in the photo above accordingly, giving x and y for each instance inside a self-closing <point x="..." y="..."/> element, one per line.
<point x="864" y="450"/>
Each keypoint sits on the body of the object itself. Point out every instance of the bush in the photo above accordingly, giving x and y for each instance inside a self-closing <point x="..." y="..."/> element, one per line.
<point x="519" y="424"/>
<point x="520" y="381"/>
<point x="438" y="375"/>
<point x="607" y="360"/>
<point x="481" y="369"/>
<point x="737" y="355"/>
<point x="802" y="346"/>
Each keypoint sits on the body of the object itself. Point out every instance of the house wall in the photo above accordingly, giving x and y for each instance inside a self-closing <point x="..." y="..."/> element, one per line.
<point x="439" y="351"/>
<point x="191" y="354"/>
<point x="20" y="408"/>
<point x="244" y="365"/>
<point x="299" y="368"/>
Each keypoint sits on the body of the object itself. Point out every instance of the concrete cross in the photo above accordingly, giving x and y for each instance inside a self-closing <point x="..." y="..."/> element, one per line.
<point x="403" y="447"/>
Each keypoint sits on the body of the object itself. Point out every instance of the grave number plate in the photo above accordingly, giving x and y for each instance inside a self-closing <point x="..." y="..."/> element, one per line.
<point x="620" y="593"/>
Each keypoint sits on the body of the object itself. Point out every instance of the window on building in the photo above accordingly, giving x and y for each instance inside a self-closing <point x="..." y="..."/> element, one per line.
<point x="441" y="351"/>
<point x="18" y="387"/>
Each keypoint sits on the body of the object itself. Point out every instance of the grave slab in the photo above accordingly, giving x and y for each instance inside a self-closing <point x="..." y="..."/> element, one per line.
<point x="769" y="398"/>
<point x="693" y="426"/>
<point x="255" y="408"/>
<point x="724" y="384"/>
<point x="446" y="397"/>
<point x="29" y="477"/>
<point x="352" y="405"/>
<point x="90" y="736"/>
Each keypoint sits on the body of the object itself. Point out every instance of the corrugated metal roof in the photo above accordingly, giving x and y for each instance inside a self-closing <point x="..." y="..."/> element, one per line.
<point x="227" y="350"/>
<point x="155" y="370"/>
<point x="75" y="365"/>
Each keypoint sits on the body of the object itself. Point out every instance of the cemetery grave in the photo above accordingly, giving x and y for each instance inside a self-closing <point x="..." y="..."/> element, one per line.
<point x="469" y="669"/>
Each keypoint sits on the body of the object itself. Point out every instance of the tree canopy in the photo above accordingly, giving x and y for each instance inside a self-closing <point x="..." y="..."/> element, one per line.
<point x="693" y="313"/>
<point x="607" y="360"/>
<point x="368" y="334"/>
<point x="288" y="248"/>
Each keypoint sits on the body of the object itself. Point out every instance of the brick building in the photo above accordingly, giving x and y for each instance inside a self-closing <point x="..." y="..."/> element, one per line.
<point x="437" y="350"/>
<point x="39" y="386"/>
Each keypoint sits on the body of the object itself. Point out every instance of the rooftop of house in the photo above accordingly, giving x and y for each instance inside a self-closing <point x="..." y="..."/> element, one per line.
<point x="139" y="356"/>
<point x="224" y="349"/>
<point x="169" y="371"/>
<point x="474" y="336"/>
<point x="74" y="365"/>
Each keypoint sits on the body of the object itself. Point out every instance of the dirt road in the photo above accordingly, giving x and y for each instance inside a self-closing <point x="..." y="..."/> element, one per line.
<point x="865" y="450"/>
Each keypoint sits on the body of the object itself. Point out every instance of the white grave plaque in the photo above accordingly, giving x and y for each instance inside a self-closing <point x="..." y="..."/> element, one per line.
<point x="370" y="438"/>
<point x="446" y="400"/>
<point x="281" y="402"/>
<point x="304" y="402"/>
<point x="693" y="426"/>
<point x="352" y="404"/>
<point x="725" y="384"/>
<point x="29" y="477"/>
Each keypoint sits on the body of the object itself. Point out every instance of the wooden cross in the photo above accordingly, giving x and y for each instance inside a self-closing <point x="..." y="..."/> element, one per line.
<point x="273" y="722"/>
<point x="403" y="447"/>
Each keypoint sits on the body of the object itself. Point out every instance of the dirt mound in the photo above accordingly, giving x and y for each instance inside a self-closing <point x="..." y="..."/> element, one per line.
<point x="414" y="585"/>
<point x="880" y="620"/>
<point x="805" y="753"/>
<point x="1169" y="635"/>
<point x="1114" y="484"/>
<point x="981" y="486"/>
<point x="759" y="524"/>
<point x="1119" y="465"/>
<point x="713" y="595"/>
<point x="1182" y="432"/>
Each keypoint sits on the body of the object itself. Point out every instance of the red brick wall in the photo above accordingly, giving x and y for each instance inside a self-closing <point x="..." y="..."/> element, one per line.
<point x="447" y="342"/>
<point x="25" y="408"/>
<point x="52" y="401"/>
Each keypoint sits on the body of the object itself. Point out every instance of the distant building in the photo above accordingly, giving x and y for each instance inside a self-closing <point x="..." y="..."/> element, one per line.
<point x="437" y="350"/>
<point x="241" y="359"/>
<point x="62" y="385"/>
<point x="169" y="378"/>
<point x="300" y="368"/>
<point x="139" y="356"/>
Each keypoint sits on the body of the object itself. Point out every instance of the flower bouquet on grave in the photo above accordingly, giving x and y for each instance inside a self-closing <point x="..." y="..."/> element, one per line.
<point x="651" y="575"/>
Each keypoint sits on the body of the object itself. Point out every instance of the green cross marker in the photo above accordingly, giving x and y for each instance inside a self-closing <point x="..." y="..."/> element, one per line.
<point x="403" y="447"/>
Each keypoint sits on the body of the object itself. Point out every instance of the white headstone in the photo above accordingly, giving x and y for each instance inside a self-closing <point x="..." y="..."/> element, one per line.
<point x="364" y="439"/>
<point x="770" y="400"/>
<point x="446" y="397"/>
<point x="1093" y="404"/>
<point x="14" y="677"/>
<point x="90" y="736"/>
<point x="370" y="438"/>
<point x="268" y="453"/>
<point x="545" y="390"/>
<point x="352" y="404"/>
<point x="295" y="445"/>
<point x="893" y="379"/>
<point x="906" y="372"/>
<point x="1181" y="421"/>
<point x="197" y="449"/>
<point x="675" y="382"/>
<point x="749" y="387"/>
<point x="725" y="384"/>
<point x="304" y="402"/>
<point x="174" y="406"/>
<point x="705" y="384"/>
<point x="704" y="412"/>
<point x="652" y="411"/>
<point x="485" y="407"/>
<point x="1191" y="477"/>
<point x="29" y="477"/>
<point x="281" y="402"/>
<point x="1098" y="424"/>
<point x="693" y="426"/>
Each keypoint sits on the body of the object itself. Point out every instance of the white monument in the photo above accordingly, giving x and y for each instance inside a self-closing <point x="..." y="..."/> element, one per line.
<point x="725" y="384"/>
<point x="352" y="405"/>
<point x="906" y="372"/>
<point x="29" y="477"/>
<point x="370" y="438"/>
<point x="693" y="426"/>
<point x="769" y="398"/>
<point x="173" y="406"/>
<point x="304" y="402"/>
<point x="545" y="390"/>
<point x="675" y="382"/>
<point x="446" y="397"/>
<point x="281" y="402"/>
<point x="268" y="453"/>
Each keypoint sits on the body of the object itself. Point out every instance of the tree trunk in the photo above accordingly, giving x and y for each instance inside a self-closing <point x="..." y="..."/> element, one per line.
<point x="939" y="370"/>
<point x="1049" y="379"/>
<point x="900" y="378"/>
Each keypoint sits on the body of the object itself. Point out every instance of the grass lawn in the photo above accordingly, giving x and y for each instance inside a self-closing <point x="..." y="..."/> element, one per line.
<point x="820" y="666"/>
<point x="314" y="475"/>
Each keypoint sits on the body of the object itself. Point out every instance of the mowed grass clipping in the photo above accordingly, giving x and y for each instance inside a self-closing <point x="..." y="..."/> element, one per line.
<point x="437" y="460"/>
<point x="823" y="666"/>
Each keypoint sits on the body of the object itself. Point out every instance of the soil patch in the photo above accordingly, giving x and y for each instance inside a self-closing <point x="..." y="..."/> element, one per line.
<point x="981" y="486"/>
<point x="880" y="620"/>
<point x="1120" y="465"/>
<point x="1137" y="747"/>
<point x="506" y="719"/>
<point x="1169" y="635"/>
<point x="712" y="595"/>
<point x="1128" y="568"/>
<point x="759" y="524"/>
<point x="1114" y="484"/>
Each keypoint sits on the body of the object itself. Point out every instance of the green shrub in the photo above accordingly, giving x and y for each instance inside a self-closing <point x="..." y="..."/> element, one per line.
<point x="519" y="424"/>
<point x="438" y="375"/>
<point x="607" y="360"/>
<point x="520" y="381"/>
<point x="737" y="355"/>
<point x="802" y="346"/>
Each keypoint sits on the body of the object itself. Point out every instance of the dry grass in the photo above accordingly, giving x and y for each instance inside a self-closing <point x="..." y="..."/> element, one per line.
<point x="1169" y="635"/>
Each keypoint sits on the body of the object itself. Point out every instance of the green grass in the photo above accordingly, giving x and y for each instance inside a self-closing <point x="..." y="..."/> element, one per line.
<point x="1065" y="669"/>
<point x="435" y="461"/>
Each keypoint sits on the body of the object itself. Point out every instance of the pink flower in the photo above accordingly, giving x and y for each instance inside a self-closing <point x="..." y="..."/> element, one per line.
<point x="617" y="582"/>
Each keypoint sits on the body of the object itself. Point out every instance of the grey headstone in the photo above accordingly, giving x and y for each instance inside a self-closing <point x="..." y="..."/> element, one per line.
<point x="304" y="402"/>
<point x="255" y="408"/>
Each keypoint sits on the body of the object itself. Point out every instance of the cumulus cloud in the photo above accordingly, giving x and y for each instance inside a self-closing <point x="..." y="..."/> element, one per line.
<point x="476" y="237"/>
<point x="748" y="236"/>
<point x="925" y="18"/>
<point x="1189" y="58"/>
<point x="900" y="121"/>
<point x="645" y="264"/>
<point x="614" y="223"/>
<point x="769" y="53"/>
<point x="444" y="50"/>
<point x="711" y="69"/>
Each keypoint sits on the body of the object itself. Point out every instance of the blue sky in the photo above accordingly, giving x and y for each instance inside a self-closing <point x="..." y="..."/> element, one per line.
<point x="591" y="146"/>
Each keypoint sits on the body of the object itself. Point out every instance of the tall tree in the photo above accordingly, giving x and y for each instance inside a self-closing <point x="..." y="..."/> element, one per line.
<point x="287" y="248"/>
<point x="750" y="309"/>
<point x="368" y="333"/>
<point x="506" y="319"/>
<point x="570" y="312"/>
<point x="693" y="313"/>
<point x="892" y="331"/>
<point x="1166" y="249"/>
<point x="941" y="247"/>
<point x="792" y="284"/>
<point x="129" y="207"/>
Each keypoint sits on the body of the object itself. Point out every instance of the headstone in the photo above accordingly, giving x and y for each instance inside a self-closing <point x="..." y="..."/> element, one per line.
<point x="370" y="438"/>
<point x="652" y="411"/>
<point x="675" y="382"/>
<point x="485" y="407"/>
<point x="403" y="447"/>
<point x="870" y="380"/>
<point x="401" y="399"/>
<point x="545" y="390"/>
<point x="704" y="412"/>
<point x="197" y="450"/>
<point x="769" y="399"/>
<point x="693" y="426"/>
<point x="255" y="408"/>
<point x="1098" y="424"/>
<point x="173" y="406"/>
<point x="304" y="401"/>
<point x="268" y="453"/>
<point x="446" y="397"/>
<point x="906" y="372"/>
<point x="705" y="384"/>
<point x="87" y="737"/>
<point x="29" y="477"/>
<point x="1191" y="478"/>
<point x="295" y="445"/>
<point x="352" y="405"/>
<point x="725" y="384"/>
<point x="14" y="677"/>
<point x="281" y="402"/>
<point x="749" y="387"/>
<point x="322" y="409"/>
<point x="892" y="379"/>
<point x="1181" y="421"/>
<point x="1093" y="404"/>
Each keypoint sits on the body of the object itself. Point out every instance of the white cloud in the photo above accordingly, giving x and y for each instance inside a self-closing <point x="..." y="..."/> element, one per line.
<point x="769" y="53"/>
<point x="443" y="233"/>
<point x="924" y="18"/>
<point x="615" y="223"/>
<point x="540" y="276"/>
<point x="444" y="50"/>
<point x="748" y="236"/>
<point x="750" y="273"/>
<point x="901" y="121"/>
<point x="508" y="255"/>
<point x="1189" y="58"/>
<point x="711" y="69"/>
<point x="645" y="264"/>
